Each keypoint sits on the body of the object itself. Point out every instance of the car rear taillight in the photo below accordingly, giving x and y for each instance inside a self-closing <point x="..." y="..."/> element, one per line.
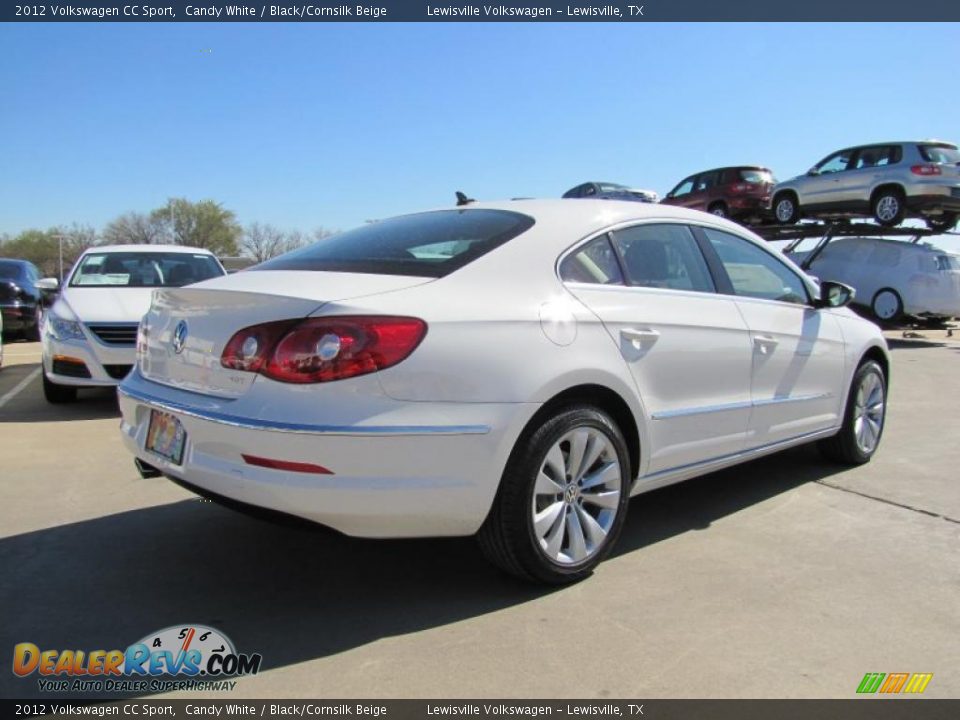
<point x="740" y="187"/>
<point x="926" y="169"/>
<point x="324" y="348"/>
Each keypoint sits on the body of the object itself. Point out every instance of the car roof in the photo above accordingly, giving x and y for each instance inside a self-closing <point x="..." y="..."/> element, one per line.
<point x="148" y="248"/>
<point x="941" y="143"/>
<point x="586" y="216"/>
<point x="21" y="261"/>
<point x="732" y="167"/>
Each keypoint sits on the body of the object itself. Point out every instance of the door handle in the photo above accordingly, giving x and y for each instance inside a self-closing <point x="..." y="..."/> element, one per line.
<point x="765" y="343"/>
<point x="639" y="336"/>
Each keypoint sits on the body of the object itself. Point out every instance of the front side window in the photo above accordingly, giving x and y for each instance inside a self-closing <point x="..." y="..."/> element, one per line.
<point x="663" y="256"/>
<point x="430" y="244"/>
<point x="684" y="188"/>
<point x="754" y="272"/>
<point x="144" y="269"/>
<point x="837" y="162"/>
<point x="594" y="263"/>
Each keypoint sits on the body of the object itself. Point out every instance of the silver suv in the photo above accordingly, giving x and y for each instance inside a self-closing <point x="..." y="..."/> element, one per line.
<point x="887" y="181"/>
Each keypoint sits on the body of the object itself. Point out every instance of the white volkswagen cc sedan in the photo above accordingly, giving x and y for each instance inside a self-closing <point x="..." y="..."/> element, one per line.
<point x="89" y="338"/>
<point x="516" y="370"/>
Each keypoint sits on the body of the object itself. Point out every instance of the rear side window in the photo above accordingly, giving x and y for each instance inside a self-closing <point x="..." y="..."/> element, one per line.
<point x="431" y="244"/>
<point x="878" y="156"/>
<point x="755" y="272"/>
<point x="663" y="256"/>
<point x="756" y="177"/>
<point x="595" y="263"/>
<point x="939" y="153"/>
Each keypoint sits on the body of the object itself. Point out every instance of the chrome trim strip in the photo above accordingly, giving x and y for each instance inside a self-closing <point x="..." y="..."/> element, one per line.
<point x="684" y="412"/>
<point x="742" y="454"/>
<point x="301" y="428"/>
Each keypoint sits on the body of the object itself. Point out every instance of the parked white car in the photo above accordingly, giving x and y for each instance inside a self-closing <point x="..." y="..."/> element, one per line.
<point x="516" y="370"/>
<point x="90" y="332"/>
<point x="894" y="278"/>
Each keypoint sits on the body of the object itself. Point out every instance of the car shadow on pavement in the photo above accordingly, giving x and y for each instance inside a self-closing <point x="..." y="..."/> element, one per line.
<point x="28" y="405"/>
<point x="295" y="593"/>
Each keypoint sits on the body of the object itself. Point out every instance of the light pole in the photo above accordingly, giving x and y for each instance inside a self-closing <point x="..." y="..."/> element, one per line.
<point x="59" y="236"/>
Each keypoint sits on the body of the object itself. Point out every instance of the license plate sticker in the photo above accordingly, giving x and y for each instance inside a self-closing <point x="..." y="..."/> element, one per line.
<point x="166" y="437"/>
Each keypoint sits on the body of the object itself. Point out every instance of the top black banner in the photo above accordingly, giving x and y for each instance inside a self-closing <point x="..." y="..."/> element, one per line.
<point x="487" y="11"/>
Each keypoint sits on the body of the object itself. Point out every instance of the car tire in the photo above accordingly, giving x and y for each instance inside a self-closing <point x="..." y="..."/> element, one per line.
<point x="887" y="307"/>
<point x="554" y="521"/>
<point x="888" y="207"/>
<point x="863" y="419"/>
<point x="786" y="209"/>
<point x="719" y="209"/>
<point x="32" y="333"/>
<point x="58" y="394"/>
<point x="943" y="223"/>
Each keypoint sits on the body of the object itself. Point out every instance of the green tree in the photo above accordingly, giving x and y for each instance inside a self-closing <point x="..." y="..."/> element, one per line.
<point x="204" y="224"/>
<point x="42" y="247"/>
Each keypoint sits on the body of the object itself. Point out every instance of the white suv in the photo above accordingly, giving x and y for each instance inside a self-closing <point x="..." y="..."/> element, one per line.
<point x="886" y="181"/>
<point x="90" y="334"/>
<point x="893" y="278"/>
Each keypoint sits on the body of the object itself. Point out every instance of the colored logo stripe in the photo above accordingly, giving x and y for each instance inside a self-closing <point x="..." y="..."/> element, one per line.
<point x="894" y="683"/>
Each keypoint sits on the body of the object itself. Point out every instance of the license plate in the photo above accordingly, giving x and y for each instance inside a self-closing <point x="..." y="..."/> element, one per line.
<point x="166" y="437"/>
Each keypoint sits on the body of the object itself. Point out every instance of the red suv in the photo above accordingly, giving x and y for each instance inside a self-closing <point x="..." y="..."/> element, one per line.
<point x="739" y="193"/>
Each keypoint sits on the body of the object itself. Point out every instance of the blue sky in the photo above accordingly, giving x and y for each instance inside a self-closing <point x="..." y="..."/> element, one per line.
<point x="313" y="124"/>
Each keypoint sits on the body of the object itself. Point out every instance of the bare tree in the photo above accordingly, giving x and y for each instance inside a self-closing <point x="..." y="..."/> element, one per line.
<point x="321" y="232"/>
<point x="262" y="241"/>
<point x="134" y="228"/>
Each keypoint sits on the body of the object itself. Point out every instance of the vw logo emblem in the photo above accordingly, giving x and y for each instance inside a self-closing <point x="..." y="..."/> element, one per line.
<point x="179" y="337"/>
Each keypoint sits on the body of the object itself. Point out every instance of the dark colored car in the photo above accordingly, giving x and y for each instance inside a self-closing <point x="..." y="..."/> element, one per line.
<point x="20" y="300"/>
<point x="739" y="193"/>
<point x="610" y="191"/>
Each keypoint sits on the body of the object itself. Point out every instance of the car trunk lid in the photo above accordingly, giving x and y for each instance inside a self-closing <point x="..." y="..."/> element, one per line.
<point x="184" y="333"/>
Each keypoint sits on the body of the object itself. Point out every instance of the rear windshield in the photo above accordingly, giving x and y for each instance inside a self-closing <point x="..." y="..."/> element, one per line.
<point x="756" y="177"/>
<point x="940" y="153"/>
<point x="431" y="244"/>
<point x="9" y="271"/>
<point x="144" y="269"/>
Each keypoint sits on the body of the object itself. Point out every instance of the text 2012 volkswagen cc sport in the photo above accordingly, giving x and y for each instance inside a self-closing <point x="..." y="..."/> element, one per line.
<point x="516" y="370"/>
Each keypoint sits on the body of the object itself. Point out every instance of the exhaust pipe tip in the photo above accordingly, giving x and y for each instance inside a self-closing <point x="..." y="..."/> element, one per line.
<point x="146" y="470"/>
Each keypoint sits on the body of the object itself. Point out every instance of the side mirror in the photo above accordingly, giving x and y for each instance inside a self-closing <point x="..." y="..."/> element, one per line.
<point x="49" y="284"/>
<point x="835" y="294"/>
<point x="813" y="171"/>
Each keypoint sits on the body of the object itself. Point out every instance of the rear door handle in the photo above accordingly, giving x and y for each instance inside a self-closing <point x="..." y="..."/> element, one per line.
<point x="639" y="336"/>
<point x="765" y="343"/>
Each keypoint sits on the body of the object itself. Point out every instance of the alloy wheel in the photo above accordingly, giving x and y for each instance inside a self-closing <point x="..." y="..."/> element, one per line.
<point x="888" y="208"/>
<point x="576" y="496"/>
<point x="868" y="413"/>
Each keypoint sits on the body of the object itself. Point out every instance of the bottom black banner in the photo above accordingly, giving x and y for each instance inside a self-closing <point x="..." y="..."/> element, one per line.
<point x="874" y="708"/>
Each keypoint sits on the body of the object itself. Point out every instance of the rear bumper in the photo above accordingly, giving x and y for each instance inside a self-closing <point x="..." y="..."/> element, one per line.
<point x="948" y="201"/>
<point x="400" y="474"/>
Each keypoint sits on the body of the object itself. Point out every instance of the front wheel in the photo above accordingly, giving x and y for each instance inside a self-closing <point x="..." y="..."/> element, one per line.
<point x="888" y="207"/>
<point x="58" y="394"/>
<point x="863" y="420"/>
<point x="887" y="305"/>
<point x="786" y="209"/>
<point x="719" y="209"/>
<point x="562" y="499"/>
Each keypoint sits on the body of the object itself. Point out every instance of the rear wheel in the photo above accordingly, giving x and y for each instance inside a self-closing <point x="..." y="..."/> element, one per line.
<point x="888" y="207"/>
<point x="863" y="420"/>
<point x="562" y="500"/>
<point x="786" y="209"/>
<point x="943" y="222"/>
<point x="58" y="394"/>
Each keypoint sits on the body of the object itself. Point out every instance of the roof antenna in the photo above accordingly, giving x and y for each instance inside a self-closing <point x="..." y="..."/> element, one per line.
<point x="463" y="199"/>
